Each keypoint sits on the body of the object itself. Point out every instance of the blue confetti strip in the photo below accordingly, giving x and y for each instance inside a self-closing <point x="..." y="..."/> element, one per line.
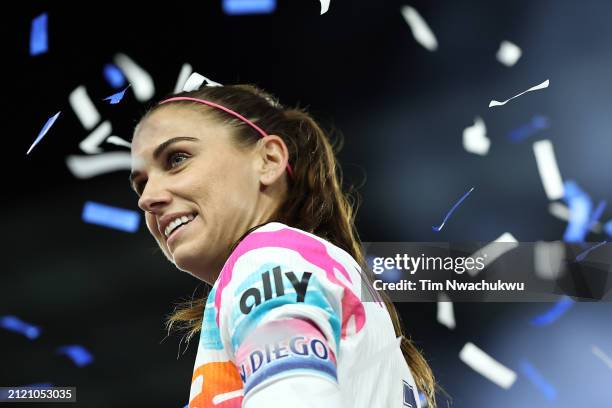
<point x="111" y="217"/>
<point x="583" y="254"/>
<point x="44" y="130"/>
<point x="546" y="388"/>
<point x="114" y="76"/>
<point x="116" y="98"/>
<point x="239" y="7"/>
<point x="608" y="228"/>
<point x="580" y="206"/>
<point x="537" y="123"/>
<point x="597" y="213"/>
<point x="552" y="314"/>
<point x="38" y="35"/>
<point x="438" y="229"/>
<point x="78" y="354"/>
<point x="17" y="325"/>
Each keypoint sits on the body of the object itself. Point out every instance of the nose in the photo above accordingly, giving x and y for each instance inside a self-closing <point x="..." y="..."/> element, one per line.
<point x="154" y="198"/>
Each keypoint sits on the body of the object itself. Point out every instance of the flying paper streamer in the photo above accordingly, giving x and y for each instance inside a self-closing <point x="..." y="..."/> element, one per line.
<point x="475" y="138"/>
<point x="420" y="30"/>
<point x="14" y="324"/>
<point x="84" y="108"/>
<point x="608" y="228"/>
<point x="141" y="81"/>
<point x="580" y="206"/>
<point x="241" y="7"/>
<point x="111" y="217"/>
<point x="487" y="366"/>
<point x="537" y="379"/>
<point x="493" y="251"/>
<point x="186" y="70"/>
<point x="537" y="123"/>
<point x="560" y="211"/>
<point x="116" y="140"/>
<point x="44" y="130"/>
<point x="84" y="167"/>
<point x="78" y="354"/>
<point x="603" y="356"/>
<point x="584" y="254"/>
<point x="116" y="98"/>
<point x="439" y="228"/>
<point x="534" y="88"/>
<point x="446" y="313"/>
<point x="548" y="169"/>
<point x="90" y="143"/>
<point x="548" y="259"/>
<point x="114" y="76"/>
<point x="596" y="215"/>
<point x="508" y="53"/>
<point x="195" y="81"/>
<point x="324" y="6"/>
<point x="38" y="35"/>
<point x="554" y="313"/>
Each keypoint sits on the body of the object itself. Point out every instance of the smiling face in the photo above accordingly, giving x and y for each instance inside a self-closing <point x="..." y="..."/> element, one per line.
<point x="199" y="191"/>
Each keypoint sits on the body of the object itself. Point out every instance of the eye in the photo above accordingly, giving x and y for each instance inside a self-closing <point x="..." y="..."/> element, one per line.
<point x="176" y="158"/>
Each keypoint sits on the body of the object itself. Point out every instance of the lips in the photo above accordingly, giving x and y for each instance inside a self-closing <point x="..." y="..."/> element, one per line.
<point x="169" y="223"/>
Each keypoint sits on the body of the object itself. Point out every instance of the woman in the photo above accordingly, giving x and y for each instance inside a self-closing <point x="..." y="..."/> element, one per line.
<point x="243" y="194"/>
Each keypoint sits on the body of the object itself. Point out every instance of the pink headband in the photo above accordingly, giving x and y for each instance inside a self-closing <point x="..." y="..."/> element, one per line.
<point x="231" y="112"/>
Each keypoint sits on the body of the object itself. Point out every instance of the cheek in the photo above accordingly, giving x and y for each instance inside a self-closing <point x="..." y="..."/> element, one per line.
<point x="151" y="224"/>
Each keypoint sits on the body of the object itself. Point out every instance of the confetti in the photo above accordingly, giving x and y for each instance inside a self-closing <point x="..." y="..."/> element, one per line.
<point x="446" y="313"/>
<point x="90" y="143"/>
<point x="548" y="259"/>
<point x="538" y="380"/>
<point x="487" y="366"/>
<point x="14" y="324"/>
<point x="116" y="140"/>
<point x="242" y="7"/>
<point x="560" y="211"/>
<point x="603" y="356"/>
<point x="84" y="167"/>
<point x="186" y="70"/>
<point x="608" y="228"/>
<point x="492" y="251"/>
<point x="141" y="81"/>
<point x="195" y="81"/>
<point x="548" y="169"/>
<point x="44" y="130"/>
<point x="580" y="206"/>
<point x="116" y="98"/>
<point x="420" y="30"/>
<point x="596" y="215"/>
<point x="534" y="88"/>
<point x="111" y="217"/>
<point x="39" y="43"/>
<point x="584" y="254"/>
<point x="324" y="6"/>
<point x="439" y="228"/>
<point x="475" y="138"/>
<point x="114" y="76"/>
<point x="552" y="314"/>
<point x="508" y="53"/>
<point x="84" y="108"/>
<point x="78" y="354"/>
<point x="537" y="123"/>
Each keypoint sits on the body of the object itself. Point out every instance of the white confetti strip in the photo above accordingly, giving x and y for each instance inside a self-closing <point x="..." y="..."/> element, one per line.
<point x="91" y="143"/>
<point x="446" y="313"/>
<point x="533" y="88"/>
<point x="603" y="356"/>
<point x="141" y="81"/>
<point x="475" y="138"/>
<point x="116" y="140"/>
<point x="548" y="259"/>
<point x="493" y="251"/>
<point x="548" y="169"/>
<point x="195" y="81"/>
<point x="562" y="212"/>
<point x="508" y="53"/>
<point x="84" y="108"/>
<point x="487" y="366"/>
<point x="84" y="167"/>
<point x="186" y="70"/>
<point x="324" y="6"/>
<point x="420" y="30"/>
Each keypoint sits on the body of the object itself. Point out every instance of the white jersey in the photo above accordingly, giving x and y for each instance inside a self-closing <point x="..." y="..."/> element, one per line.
<point x="284" y="323"/>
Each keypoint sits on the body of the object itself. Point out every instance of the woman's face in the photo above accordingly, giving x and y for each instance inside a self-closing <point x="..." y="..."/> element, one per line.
<point x="199" y="192"/>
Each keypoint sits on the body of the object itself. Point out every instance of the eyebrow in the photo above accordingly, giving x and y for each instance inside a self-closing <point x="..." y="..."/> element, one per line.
<point x="159" y="150"/>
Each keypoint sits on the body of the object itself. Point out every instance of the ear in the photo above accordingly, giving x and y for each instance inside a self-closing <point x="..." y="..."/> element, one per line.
<point x="273" y="157"/>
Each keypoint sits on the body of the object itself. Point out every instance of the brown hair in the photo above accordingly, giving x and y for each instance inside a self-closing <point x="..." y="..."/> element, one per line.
<point x="314" y="203"/>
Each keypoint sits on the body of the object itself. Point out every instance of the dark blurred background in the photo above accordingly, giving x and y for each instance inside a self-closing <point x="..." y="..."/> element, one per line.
<point x="402" y="110"/>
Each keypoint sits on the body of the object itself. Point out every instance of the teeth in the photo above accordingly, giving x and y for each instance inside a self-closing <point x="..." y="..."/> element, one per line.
<point x="175" y="223"/>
